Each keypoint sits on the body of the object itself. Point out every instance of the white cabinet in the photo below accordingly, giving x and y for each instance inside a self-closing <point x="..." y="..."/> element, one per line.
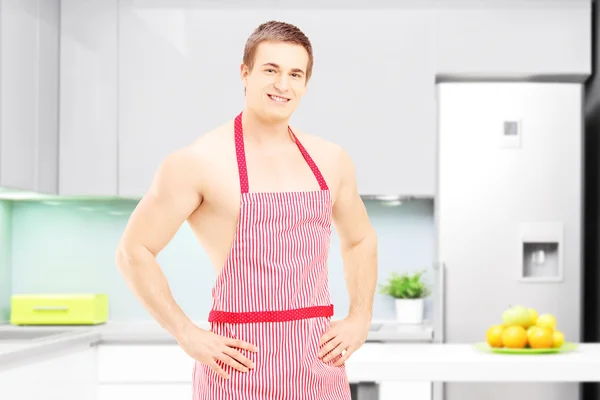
<point x="148" y="391"/>
<point x="144" y="371"/>
<point x="29" y="43"/>
<point x="518" y="41"/>
<point x="69" y="375"/>
<point x="373" y="93"/>
<point x="88" y="97"/>
<point x="405" y="390"/>
<point x="123" y="372"/>
<point x="142" y="79"/>
<point x="179" y="77"/>
<point x="148" y="363"/>
<point x="165" y="371"/>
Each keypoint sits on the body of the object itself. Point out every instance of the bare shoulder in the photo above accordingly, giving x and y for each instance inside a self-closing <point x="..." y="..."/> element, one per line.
<point x="189" y="165"/>
<point x="331" y="158"/>
<point x="213" y="142"/>
<point x="318" y="144"/>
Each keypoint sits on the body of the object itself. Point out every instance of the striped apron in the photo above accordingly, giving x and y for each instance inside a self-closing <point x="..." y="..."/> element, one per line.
<point x="273" y="292"/>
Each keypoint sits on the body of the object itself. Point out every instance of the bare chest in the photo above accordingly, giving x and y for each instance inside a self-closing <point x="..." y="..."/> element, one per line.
<point x="264" y="173"/>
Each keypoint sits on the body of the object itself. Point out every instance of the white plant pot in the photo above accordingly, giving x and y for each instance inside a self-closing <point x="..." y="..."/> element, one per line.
<point x="409" y="311"/>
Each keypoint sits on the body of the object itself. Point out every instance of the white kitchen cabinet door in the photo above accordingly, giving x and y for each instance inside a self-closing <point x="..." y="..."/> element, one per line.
<point x="70" y="375"/>
<point x="88" y="101"/>
<point x="143" y="363"/>
<point x="146" y="391"/>
<point x="29" y="43"/>
<point x="405" y="390"/>
<point x="159" y="371"/>
<point x="372" y="89"/>
<point x="160" y="391"/>
<point x="373" y="93"/>
<point x="178" y="78"/>
<point x="546" y="38"/>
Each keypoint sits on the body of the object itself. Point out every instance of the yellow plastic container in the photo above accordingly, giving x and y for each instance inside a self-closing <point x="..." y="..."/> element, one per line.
<point x="59" y="309"/>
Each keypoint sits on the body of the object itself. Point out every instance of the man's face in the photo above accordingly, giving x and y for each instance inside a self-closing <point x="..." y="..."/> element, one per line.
<point x="277" y="80"/>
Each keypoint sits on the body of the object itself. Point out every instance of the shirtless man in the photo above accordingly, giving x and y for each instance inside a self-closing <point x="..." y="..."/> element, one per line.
<point x="260" y="196"/>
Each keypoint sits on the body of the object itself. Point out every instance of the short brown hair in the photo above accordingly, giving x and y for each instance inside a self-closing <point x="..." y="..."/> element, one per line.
<point x="276" y="31"/>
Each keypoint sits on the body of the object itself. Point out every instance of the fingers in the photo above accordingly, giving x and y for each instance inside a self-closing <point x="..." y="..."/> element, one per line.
<point x="235" y="359"/>
<point x="345" y="355"/>
<point x="232" y="362"/>
<point x="331" y="345"/>
<point x="240" y="344"/>
<point x="217" y="368"/>
<point x="330" y="334"/>
<point x="335" y="352"/>
<point x="239" y="357"/>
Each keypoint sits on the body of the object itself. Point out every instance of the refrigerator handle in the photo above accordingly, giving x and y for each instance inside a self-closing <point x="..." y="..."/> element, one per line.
<point x="440" y="303"/>
<point x="439" y="323"/>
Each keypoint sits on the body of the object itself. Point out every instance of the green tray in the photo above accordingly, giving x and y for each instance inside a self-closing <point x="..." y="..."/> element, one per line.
<point x="566" y="347"/>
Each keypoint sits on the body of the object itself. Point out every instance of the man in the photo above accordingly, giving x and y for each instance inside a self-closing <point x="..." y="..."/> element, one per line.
<point x="260" y="197"/>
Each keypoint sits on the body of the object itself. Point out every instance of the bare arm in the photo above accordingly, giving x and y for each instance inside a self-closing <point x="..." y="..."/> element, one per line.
<point x="172" y="197"/>
<point x="358" y="242"/>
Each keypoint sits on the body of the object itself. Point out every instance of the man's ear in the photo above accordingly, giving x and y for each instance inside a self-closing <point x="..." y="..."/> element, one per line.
<point x="243" y="76"/>
<point x="244" y="72"/>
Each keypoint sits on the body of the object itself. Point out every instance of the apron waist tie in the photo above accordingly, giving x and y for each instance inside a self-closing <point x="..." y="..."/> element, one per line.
<point x="270" y="316"/>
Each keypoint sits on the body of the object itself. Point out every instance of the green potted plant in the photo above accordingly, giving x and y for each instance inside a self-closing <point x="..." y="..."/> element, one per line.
<point x="409" y="293"/>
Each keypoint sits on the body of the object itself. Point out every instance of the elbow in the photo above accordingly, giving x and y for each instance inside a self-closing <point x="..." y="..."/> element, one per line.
<point x="366" y="242"/>
<point x="125" y="257"/>
<point x="372" y="236"/>
<point x="129" y="257"/>
<point x="369" y="240"/>
<point x="121" y="257"/>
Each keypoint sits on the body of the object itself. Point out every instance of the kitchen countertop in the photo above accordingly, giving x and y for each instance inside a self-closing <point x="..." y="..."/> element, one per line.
<point x="21" y="344"/>
<point x="408" y="361"/>
<point x="460" y="362"/>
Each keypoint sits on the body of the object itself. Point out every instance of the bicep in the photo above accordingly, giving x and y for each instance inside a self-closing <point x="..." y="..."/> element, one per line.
<point x="349" y="212"/>
<point x="171" y="199"/>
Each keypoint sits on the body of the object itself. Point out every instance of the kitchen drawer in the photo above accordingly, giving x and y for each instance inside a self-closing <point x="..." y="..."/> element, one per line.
<point x="147" y="391"/>
<point x="56" y="309"/>
<point x="144" y="363"/>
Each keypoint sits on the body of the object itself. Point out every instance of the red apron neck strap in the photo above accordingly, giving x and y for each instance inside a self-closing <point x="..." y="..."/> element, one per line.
<point x="241" y="157"/>
<point x="310" y="162"/>
<point x="241" y="154"/>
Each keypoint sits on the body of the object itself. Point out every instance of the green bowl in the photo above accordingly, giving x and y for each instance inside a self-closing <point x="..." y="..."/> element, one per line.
<point x="566" y="347"/>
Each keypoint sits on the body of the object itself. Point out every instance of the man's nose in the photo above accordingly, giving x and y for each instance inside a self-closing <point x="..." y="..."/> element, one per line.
<point x="282" y="83"/>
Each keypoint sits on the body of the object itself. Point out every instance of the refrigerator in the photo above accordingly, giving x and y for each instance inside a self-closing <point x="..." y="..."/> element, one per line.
<point x="509" y="215"/>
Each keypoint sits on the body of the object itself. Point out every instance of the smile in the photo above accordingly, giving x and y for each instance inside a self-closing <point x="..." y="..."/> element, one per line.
<point x="278" y="99"/>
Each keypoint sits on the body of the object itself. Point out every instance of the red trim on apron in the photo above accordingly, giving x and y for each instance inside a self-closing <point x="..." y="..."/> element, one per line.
<point x="270" y="316"/>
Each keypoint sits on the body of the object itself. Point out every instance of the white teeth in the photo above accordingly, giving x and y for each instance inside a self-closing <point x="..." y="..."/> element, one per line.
<point x="281" y="99"/>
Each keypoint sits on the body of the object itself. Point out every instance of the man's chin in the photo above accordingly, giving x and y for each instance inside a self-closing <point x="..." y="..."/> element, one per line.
<point x="278" y="115"/>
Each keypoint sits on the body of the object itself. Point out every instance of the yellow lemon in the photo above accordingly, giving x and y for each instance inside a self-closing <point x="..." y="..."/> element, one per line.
<point x="534" y="315"/>
<point x="493" y="336"/>
<point x="559" y="339"/>
<point x="531" y="330"/>
<point x="541" y="338"/>
<point x="546" y="321"/>
<point x="514" y="337"/>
